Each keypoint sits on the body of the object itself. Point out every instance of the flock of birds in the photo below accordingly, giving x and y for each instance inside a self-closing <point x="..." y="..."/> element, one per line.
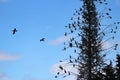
<point x="15" y="30"/>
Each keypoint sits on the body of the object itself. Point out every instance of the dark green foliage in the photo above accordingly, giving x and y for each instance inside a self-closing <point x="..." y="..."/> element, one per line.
<point x="90" y="56"/>
<point x="109" y="72"/>
<point x="118" y="67"/>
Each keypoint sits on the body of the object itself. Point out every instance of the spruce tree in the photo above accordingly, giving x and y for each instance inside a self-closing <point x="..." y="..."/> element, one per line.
<point x="118" y="67"/>
<point x="87" y="42"/>
<point x="90" y="56"/>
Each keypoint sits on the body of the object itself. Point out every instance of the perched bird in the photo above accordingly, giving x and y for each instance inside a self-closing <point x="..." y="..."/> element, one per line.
<point x="116" y="45"/>
<point x="61" y="67"/>
<point x="14" y="31"/>
<point x="43" y="39"/>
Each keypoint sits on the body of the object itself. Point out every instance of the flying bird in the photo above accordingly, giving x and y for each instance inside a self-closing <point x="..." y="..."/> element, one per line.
<point x="43" y="39"/>
<point x="14" y="31"/>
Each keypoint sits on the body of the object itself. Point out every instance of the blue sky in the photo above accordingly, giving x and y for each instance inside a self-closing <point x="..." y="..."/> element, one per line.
<point x="22" y="56"/>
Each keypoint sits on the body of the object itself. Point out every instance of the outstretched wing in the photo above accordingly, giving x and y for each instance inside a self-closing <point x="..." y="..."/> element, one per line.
<point x="43" y="39"/>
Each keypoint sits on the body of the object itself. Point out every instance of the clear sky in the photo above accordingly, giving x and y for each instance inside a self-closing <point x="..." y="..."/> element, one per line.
<point x="23" y="56"/>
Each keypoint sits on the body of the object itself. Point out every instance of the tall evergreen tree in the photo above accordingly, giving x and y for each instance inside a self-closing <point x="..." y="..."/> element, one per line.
<point x="87" y="42"/>
<point x="118" y="67"/>
<point x="90" y="56"/>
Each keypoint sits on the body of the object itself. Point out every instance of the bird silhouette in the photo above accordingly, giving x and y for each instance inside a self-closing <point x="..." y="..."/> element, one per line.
<point x="14" y="31"/>
<point x="116" y="45"/>
<point x="43" y="39"/>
